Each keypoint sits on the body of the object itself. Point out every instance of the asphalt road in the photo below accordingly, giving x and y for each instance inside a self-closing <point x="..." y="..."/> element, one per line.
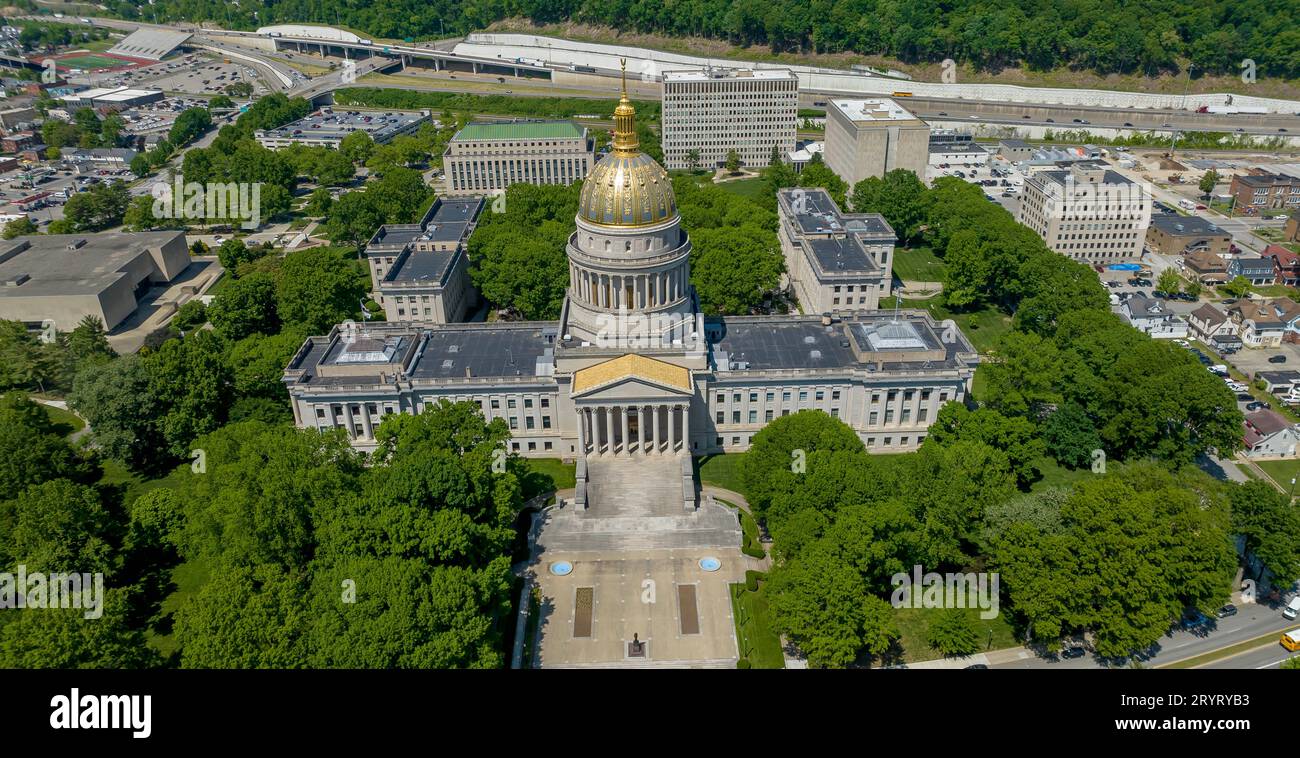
<point x="1252" y="620"/>
<point x="1268" y="656"/>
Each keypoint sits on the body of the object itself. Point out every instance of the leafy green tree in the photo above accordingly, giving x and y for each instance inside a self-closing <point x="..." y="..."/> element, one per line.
<point x="140" y="165"/>
<point x="899" y="196"/>
<point x="193" y="382"/>
<point x="66" y="639"/>
<point x="115" y="400"/>
<point x="1238" y="287"/>
<point x="733" y="162"/>
<point x="245" y="617"/>
<point x="1071" y="436"/>
<point x="19" y="227"/>
<point x="99" y="208"/>
<point x="258" y="363"/>
<point x="1016" y="437"/>
<point x="58" y="526"/>
<point x="952" y="632"/>
<point x="1269" y="523"/>
<point x="1169" y="282"/>
<point x="778" y="453"/>
<point x="357" y="147"/>
<point x="824" y="607"/>
<point x="190" y="316"/>
<point x="818" y="174"/>
<point x="32" y="450"/>
<point x="733" y="270"/>
<point x="318" y="288"/>
<point x="245" y="306"/>
<point x="1208" y="181"/>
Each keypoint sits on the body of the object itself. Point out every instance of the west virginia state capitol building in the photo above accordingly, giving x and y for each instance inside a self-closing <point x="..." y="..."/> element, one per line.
<point x="632" y="368"/>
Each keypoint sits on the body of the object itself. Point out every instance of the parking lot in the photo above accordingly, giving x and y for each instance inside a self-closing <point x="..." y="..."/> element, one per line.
<point x="195" y="74"/>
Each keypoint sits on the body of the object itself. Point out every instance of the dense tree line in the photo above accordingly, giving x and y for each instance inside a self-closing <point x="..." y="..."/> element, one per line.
<point x="1106" y="37"/>
<point x="146" y="410"/>
<point x="313" y="559"/>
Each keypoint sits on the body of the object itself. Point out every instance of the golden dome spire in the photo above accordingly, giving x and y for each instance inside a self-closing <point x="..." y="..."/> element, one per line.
<point x="625" y="140"/>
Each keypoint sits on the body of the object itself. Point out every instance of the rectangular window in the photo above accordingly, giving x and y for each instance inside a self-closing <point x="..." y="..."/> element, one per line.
<point x="514" y="422"/>
<point x="735" y="417"/>
<point x="753" y="417"/>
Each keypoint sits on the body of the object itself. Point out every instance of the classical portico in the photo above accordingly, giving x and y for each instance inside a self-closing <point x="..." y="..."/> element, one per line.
<point x="633" y="405"/>
<point x="633" y="429"/>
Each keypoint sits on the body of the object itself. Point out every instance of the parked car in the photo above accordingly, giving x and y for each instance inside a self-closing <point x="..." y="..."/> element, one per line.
<point x="1074" y="651"/>
<point x="1277" y="359"/>
<point x="1226" y="611"/>
<point x="1194" y="619"/>
<point x="1245" y="397"/>
<point x="1257" y="405"/>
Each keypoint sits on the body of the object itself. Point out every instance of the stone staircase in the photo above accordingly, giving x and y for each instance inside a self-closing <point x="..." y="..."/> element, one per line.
<point x="636" y="504"/>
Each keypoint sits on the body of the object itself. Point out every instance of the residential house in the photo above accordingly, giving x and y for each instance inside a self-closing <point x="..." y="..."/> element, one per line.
<point x="1279" y="382"/>
<point x="1153" y="317"/>
<point x="1286" y="264"/>
<point x="1213" y="327"/>
<point x="1269" y="435"/>
<point x="1263" y="323"/>
<point x="1256" y="268"/>
<point x="1206" y="267"/>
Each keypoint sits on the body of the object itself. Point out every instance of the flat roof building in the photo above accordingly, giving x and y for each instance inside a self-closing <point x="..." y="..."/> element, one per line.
<point x="1179" y="235"/>
<point x="487" y="158"/>
<point x="837" y="262"/>
<point x="420" y="272"/>
<point x="1087" y="212"/>
<point x="65" y="277"/>
<point x="714" y="111"/>
<point x="328" y="129"/>
<point x="872" y="137"/>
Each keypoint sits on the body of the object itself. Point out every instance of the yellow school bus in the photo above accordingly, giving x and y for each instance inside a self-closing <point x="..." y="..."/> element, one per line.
<point x="1291" y="640"/>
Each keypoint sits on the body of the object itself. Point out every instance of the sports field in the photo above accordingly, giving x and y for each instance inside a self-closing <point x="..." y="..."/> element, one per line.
<point x="93" y="62"/>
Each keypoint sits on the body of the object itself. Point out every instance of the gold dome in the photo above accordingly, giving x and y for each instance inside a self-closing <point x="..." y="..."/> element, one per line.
<point x="627" y="188"/>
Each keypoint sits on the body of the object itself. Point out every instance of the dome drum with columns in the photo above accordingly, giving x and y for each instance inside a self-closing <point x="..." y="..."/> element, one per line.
<point x="628" y="253"/>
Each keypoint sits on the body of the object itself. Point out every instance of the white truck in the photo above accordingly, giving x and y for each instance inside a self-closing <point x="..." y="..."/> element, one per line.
<point x="1292" y="608"/>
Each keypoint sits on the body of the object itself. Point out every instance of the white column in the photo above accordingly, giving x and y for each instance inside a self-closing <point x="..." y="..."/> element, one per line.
<point x="672" y="429"/>
<point x="643" y="428"/>
<point x="582" y="431"/>
<point x="655" y="413"/>
<point x="686" y="428"/>
<point x="367" y="429"/>
<point x="627" y="442"/>
<point x="347" y="417"/>
<point x="609" y="427"/>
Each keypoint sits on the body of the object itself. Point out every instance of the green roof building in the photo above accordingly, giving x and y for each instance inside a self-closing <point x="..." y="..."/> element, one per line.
<point x="485" y="158"/>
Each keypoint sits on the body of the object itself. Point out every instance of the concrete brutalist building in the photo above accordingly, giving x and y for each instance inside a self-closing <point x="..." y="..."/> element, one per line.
<point x="65" y="277"/>
<point x="872" y="137"/>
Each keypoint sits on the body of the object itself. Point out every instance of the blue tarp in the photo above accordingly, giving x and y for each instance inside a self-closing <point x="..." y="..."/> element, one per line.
<point x="1124" y="267"/>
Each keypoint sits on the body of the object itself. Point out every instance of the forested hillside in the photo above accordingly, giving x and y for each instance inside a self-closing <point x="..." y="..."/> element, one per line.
<point x="1103" y="36"/>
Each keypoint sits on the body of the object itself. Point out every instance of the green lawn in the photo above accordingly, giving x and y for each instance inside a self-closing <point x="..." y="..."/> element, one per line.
<point x="918" y="264"/>
<point x="1281" y="471"/>
<point x="548" y="474"/>
<point x="754" y="634"/>
<point x="188" y="578"/>
<point x="721" y="470"/>
<point x="65" y="422"/>
<point x="913" y="624"/>
<point x="753" y="188"/>
<point x="1056" y="475"/>
<point x="116" y="474"/>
